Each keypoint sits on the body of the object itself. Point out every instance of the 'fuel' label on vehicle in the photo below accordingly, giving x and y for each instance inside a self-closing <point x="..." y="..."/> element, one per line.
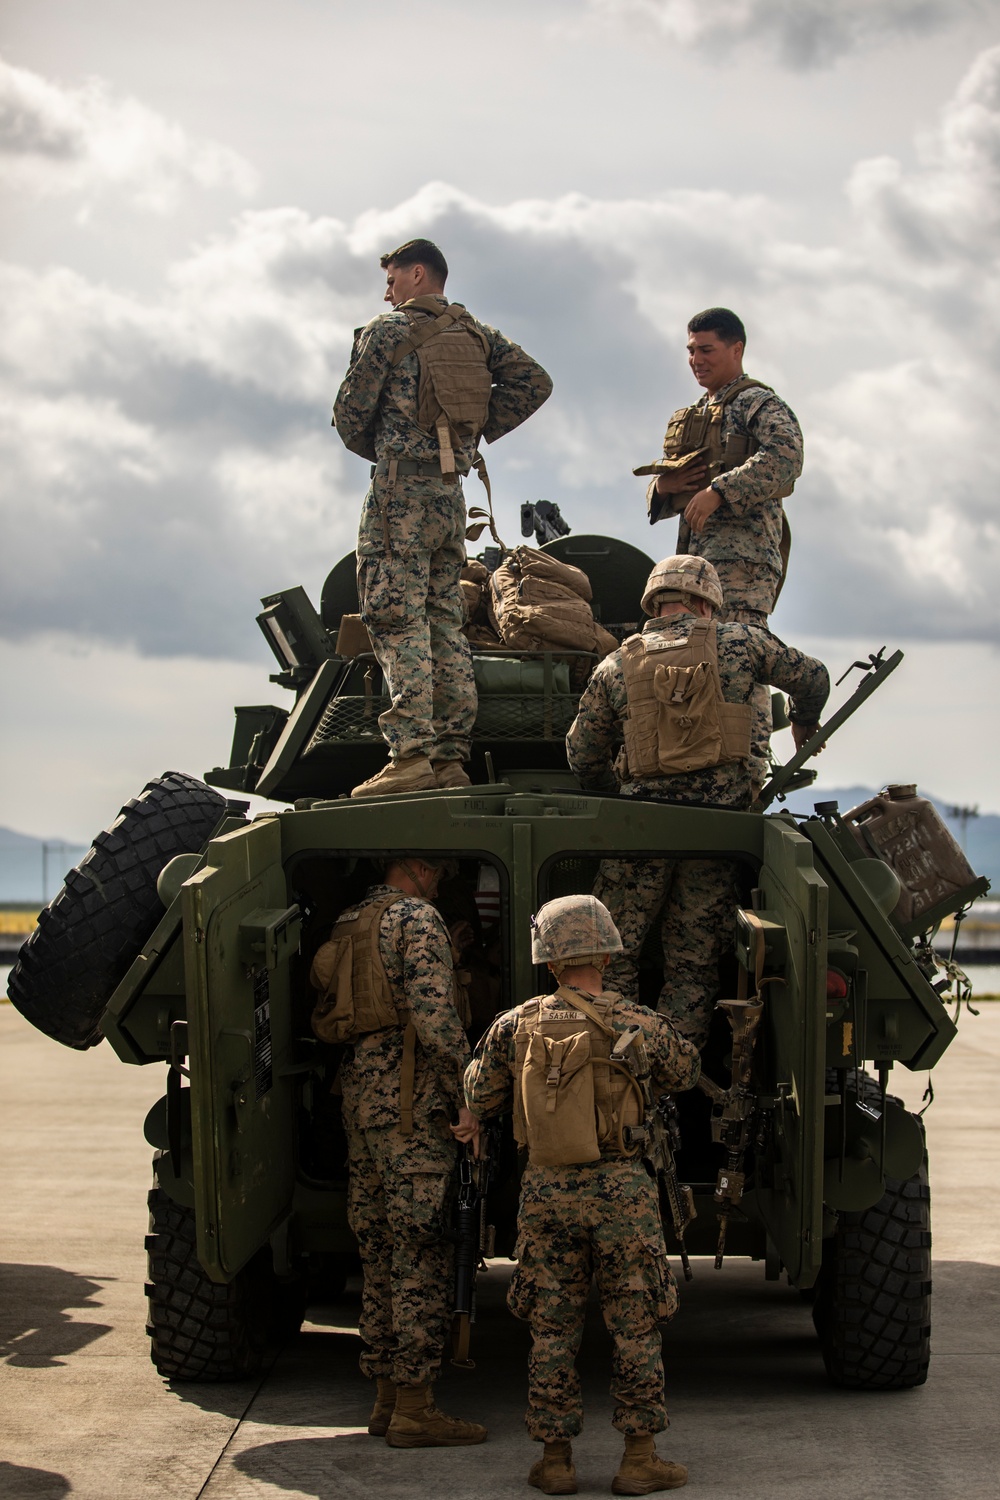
<point x="262" y="1074"/>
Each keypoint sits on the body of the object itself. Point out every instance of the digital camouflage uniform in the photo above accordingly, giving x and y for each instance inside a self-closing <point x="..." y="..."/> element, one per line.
<point x="693" y="898"/>
<point x="411" y="538"/>
<point x="399" y="1186"/>
<point x="742" y="538"/>
<point x="597" y="1220"/>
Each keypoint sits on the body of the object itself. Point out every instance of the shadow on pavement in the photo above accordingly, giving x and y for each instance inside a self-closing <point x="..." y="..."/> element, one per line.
<point x="18" y="1483"/>
<point x="35" y="1327"/>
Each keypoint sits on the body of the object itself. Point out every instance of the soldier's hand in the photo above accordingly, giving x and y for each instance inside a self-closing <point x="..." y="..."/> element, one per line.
<point x="679" y="480"/>
<point x="801" y="733"/>
<point x="700" y="508"/>
<point x="468" y="1129"/>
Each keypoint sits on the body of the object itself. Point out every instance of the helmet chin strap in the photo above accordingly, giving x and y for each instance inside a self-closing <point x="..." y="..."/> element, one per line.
<point x="420" y="885"/>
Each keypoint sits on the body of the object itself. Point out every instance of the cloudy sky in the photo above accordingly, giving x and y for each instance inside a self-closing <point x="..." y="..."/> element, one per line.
<point x="194" y="198"/>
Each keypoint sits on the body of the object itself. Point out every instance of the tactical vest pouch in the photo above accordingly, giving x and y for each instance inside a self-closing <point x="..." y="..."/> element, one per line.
<point x="354" y="993"/>
<point x="688" y="732"/>
<point x="677" y="718"/>
<point x="557" y="1093"/>
<point x="695" y="432"/>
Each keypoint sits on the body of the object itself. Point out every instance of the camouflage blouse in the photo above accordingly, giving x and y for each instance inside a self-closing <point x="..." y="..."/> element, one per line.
<point x="376" y="407"/>
<point x="416" y="952"/>
<point x="747" y="655"/>
<point x="489" y="1079"/>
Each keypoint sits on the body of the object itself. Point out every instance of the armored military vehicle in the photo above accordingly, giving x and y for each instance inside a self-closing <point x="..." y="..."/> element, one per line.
<point x="186" y="934"/>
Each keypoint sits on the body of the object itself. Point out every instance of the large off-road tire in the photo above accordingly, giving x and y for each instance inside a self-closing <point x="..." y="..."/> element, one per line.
<point x="199" y="1330"/>
<point x="88" y="936"/>
<point x="872" y="1308"/>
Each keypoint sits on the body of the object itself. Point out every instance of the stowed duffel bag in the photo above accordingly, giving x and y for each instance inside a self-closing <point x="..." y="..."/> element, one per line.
<point x="537" y="603"/>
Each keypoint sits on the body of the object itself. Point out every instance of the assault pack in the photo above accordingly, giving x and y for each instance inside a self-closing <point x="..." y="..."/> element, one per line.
<point x="538" y="603"/>
<point x="572" y="1099"/>
<point x="678" y="719"/>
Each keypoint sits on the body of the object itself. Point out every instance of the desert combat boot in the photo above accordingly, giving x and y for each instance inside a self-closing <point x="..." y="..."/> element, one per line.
<point x="411" y="773"/>
<point x="417" y="1423"/>
<point x="554" y="1473"/>
<point x="385" y="1405"/>
<point x="450" y="773"/>
<point x="643" y="1472"/>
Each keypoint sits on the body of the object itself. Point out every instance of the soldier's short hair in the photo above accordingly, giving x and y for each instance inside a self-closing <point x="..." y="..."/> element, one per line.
<point x="418" y="253"/>
<point x="721" y="321"/>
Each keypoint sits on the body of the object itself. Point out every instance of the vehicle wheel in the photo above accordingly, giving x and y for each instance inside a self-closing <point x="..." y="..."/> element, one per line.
<point x="872" y="1308"/>
<point x="88" y="936"/>
<point x="198" y="1329"/>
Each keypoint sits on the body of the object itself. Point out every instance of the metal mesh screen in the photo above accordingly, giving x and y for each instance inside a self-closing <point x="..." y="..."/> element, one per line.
<point x="527" y="717"/>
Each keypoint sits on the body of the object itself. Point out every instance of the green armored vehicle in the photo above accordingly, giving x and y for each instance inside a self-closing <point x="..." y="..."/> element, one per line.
<point x="186" y="936"/>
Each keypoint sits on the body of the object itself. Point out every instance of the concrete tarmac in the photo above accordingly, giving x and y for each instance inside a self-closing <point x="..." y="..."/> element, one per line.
<point x="84" y="1413"/>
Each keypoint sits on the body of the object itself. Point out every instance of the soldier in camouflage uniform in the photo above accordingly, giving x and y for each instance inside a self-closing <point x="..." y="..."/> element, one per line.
<point x="692" y="898"/>
<point x="735" y="518"/>
<point x="411" y="539"/>
<point x="400" y="1183"/>
<point x="590" y="1218"/>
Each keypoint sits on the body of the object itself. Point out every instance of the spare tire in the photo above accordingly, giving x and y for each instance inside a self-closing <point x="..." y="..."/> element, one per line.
<point x="88" y="935"/>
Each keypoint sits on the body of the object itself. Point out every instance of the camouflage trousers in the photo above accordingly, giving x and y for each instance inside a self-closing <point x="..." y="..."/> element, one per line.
<point x="760" y="724"/>
<point x="694" y="899"/>
<point x="411" y="550"/>
<point x="399" y="1206"/>
<point x="575" y="1224"/>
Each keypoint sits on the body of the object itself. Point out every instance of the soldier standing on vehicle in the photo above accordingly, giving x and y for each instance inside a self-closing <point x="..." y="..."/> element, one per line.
<point x="386" y="986"/>
<point x="679" y="696"/>
<point x="425" y="383"/>
<point x="588" y="1205"/>
<point x="728" y="462"/>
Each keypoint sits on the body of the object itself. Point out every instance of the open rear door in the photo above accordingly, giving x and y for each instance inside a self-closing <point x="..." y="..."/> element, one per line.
<point x="792" y="1047"/>
<point x="240" y="936"/>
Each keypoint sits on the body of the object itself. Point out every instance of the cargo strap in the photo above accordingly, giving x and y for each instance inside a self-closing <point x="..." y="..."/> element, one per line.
<point x="483" y="518"/>
<point x="407" y="1072"/>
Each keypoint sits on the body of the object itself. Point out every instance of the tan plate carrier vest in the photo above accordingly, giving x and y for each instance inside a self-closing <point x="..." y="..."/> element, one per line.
<point x="678" y="719"/>
<point x="571" y="1098"/>
<point x="697" y="431"/>
<point x="355" y="996"/>
<point x="453" y="396"/>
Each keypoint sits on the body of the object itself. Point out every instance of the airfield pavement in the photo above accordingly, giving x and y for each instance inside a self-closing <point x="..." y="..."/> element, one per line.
<point x="84" y="1414"/>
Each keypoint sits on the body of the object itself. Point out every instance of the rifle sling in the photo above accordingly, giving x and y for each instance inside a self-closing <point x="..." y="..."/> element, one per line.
<point x="406" y="1075"/>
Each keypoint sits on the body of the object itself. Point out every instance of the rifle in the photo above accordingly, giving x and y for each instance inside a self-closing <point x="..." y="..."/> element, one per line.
<point x="659" y="1137"/>
<point x="473" y="1238"/>
<point x="733" y="1111"/>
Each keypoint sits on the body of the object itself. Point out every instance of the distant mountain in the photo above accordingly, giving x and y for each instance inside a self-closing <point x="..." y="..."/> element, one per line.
<point x="980" y="837"/>
<point x="32" y="869"/>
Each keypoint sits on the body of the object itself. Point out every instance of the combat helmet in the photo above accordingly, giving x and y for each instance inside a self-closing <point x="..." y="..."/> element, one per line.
<point x="683" y="575"/>
<point x="573" y="930"/>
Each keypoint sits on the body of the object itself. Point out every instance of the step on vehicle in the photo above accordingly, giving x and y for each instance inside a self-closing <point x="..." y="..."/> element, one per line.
<point x="186" y="935"/>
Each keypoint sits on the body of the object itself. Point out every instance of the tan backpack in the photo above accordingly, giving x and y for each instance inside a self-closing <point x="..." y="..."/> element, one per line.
<point x="537" y="603"/>
<point x="355" y="997"/>
<point x="453" y="397"/>
<point x="571" y="1098"/>
<point x="678" y="719"/>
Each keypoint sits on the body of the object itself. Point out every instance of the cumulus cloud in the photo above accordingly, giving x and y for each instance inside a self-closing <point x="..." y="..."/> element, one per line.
<point x="85" y="141"/>
<point x="803" y="33"/>
<point x="166" y="457"/>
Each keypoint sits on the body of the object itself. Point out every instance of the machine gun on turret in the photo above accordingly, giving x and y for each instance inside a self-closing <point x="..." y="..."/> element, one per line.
<point x="543" y="518"/>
